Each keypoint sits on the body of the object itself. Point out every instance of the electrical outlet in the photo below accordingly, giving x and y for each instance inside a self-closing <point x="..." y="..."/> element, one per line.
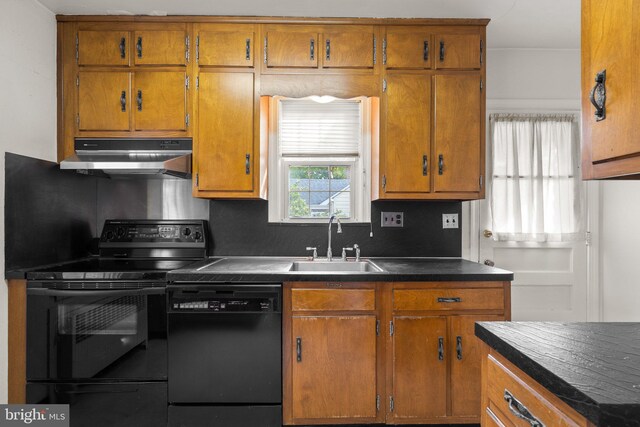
<point x="392" y="219"/>
<point x="450" y="220"/>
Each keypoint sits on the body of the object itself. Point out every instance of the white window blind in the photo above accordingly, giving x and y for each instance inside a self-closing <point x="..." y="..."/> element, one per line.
<point x="536" y="191"/>
<point x="307" y="127"/>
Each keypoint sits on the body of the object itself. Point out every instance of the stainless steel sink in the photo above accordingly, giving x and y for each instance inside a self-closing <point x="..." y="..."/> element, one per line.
<point x="336" y="266"/>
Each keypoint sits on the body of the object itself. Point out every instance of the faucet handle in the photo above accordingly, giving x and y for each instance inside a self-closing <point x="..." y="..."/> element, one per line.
<point x="357" y="248"/>
<point x="344" y="253"/>
<point x="315" y="252"/>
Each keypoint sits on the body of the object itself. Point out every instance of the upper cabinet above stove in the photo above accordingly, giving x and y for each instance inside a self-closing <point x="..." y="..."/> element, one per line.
<point x="610" y="89"/>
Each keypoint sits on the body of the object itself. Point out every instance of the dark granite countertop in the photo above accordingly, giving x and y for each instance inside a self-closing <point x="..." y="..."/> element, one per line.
<point x="593" y="367"/>
<point x="277" y="269"/>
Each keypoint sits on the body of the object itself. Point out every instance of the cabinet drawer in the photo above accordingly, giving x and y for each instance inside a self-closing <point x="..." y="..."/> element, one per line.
<point x="508" y="394"/>
<point x="333" y="299"/>
<point x="448" y="299"/>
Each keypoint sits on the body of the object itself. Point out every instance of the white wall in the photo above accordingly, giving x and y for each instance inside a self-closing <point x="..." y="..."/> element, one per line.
<point x="27" y="108"/>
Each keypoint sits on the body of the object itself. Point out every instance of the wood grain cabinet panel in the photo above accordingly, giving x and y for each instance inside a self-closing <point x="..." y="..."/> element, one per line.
<point x="457" y="130"/>
<point x="348" y="47"/>
<point x="104" y="101"/>
<point x="160" y="100"/>
<point x="458" y="51"/>
<point x="109" y="48"/>
<point x="419" y="367"/>
<point x="224" y="154"/>
<point x="334" y="367"/>
<point x="292" y="47"/>
<point x="408" y="48"/>
<point x="160" y="47"/>
<point x="406" y="135"/>
<point x="226" y="46"/>
<point x="333" y="299"/>
<point x="448" y="299"/>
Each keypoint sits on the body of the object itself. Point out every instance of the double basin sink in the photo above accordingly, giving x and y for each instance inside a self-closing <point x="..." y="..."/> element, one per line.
<point x="267" y="264"/>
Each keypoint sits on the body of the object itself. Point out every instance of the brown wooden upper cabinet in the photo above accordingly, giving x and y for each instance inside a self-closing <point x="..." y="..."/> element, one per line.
<point x="160" y="47"/>
<point x="610" y="88"/>
<point x="407" y="47"/>
<point x="459" y="51"/>
<point x="160" y="100"/>
<point x="225" y="45"/>
<point x="348" y="46"/>
<point x="457" y="133"/>
<point x="104" y="101"/>
<point x="291" y="46"/>
<point x="108" y="48"/>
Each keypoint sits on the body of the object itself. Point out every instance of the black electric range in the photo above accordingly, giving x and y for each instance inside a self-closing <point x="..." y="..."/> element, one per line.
<point x="97" y="327"/>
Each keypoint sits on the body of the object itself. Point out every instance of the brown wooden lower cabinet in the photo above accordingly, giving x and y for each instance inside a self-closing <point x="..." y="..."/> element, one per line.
<point x="395" y="353"/>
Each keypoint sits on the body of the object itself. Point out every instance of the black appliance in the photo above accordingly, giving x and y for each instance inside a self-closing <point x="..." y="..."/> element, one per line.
<point x="225" y="360"/>
<point x="97" y="327"/>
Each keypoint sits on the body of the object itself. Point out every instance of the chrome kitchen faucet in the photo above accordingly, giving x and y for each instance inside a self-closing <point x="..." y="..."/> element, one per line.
<point x="331" y="218"/>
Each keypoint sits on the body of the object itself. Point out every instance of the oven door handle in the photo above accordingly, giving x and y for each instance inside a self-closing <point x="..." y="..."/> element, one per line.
<point x="94" y="293"/>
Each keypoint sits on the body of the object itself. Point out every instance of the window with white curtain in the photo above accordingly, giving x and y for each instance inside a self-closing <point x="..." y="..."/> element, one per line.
<point x="536" y="190"/>
<point x="319" y="149"/>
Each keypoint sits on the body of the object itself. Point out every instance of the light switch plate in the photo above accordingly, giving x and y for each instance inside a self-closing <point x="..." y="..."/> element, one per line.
<point x="392" y="219"/>
<point x="450" y="220"/>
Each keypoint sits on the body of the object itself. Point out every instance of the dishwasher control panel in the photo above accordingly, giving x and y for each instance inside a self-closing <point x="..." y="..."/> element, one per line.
<point x="230" y="305"/>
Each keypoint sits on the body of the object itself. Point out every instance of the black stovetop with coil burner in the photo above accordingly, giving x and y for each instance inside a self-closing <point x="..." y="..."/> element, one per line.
<point x="132" y="250"/>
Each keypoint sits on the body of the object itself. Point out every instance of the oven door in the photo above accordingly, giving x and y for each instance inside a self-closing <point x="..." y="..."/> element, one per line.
<point x="96" y="334"/>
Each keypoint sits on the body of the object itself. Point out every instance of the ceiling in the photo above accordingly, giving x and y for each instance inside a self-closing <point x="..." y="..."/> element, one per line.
<point x="514" y="23"/>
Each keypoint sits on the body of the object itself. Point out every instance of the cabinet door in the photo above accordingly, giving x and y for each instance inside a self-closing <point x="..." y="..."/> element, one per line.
<point x="160" y="100"/>
<point x="292" y="48"/>
<point x="103" y="101"/>
<point x="458" y="51"/>
<point x="225" y="131"/>
<point x="348" y="47"/>
<point x="103" y="48"/>
<point x="334" y="367"/>
<point x="612" y="44"/>
<point x="226" y="48"/>
<point x="457" y="133"/>
<point x="407" y="47"/>
<point x="407" y="134"/>
<point x="466" y="361"/>
<point x="160" y="48"/>
<point x="419" y="368"/>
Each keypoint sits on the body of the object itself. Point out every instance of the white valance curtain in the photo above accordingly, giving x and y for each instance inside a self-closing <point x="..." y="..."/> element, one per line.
<point x="536" y="190"/>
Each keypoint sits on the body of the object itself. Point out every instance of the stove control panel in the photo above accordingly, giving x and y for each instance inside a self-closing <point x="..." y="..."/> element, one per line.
<point x="225" y="305"/>
<point x="153" y="232"/>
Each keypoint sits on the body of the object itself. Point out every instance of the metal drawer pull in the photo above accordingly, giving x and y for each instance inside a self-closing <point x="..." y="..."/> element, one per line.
<point x="123" y="101"/>
<point x="425" y="165"/>
<point x="598" y="95"/>
<point x="449" y="300"/>
<point x="247" y="50"/>
<point x="441" y="348"/>
<point x="312" y="49"/>
<point x="441" y="50"/>
<point x="459" y="347"/>
<point x="247" y="164"/>
<point x="521" y="411"/>
<point x="328" y="50"/>
<point x="139" y="47"/>
<point x="123" y="47"/>
<point x="440" y="164"/>
<point x="139" y="100"/>
<point x="425" y="50"/>
<point x="299" y="349"/>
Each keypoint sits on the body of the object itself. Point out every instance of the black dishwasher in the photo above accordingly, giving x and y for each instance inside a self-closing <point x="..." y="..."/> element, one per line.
<point x="225" y="360"/>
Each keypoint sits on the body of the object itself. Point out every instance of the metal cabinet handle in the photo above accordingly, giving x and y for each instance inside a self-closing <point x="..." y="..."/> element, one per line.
<point x="123" y="47"/>
<point x="328" y="49"/>
<point x="459" y="347"/>
<point x="598" y="95"/>
<point x="425" y="50"/>
<point x="123" y="101"/>
<point x="247" y="164"/>
<point x="299" y="349"/>
<point x="440" y="348"/>
<point x="425" y="165"/>
<point x="449" y="299"/>
<point x="442" y="50"/>
<point x="312" y="49"/>
<point x="247" y="50"/>
<point x="521" y="411"/>
<point x="440" y="164"/>
<point x="139" y="47"/>
<point x="139" y="100"/>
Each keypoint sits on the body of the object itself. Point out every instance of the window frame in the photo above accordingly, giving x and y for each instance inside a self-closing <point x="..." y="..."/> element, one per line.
<point x="278" y="183"/>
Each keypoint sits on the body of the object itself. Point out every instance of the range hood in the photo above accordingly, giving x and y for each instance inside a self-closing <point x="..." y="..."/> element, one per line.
<point x="127" y="158"/>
